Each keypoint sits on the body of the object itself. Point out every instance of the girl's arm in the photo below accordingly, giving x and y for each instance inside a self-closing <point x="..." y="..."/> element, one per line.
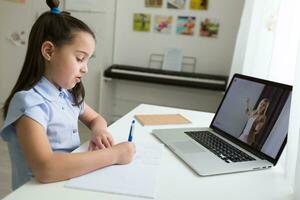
<point x="92" y="119"/>
<point x="49" y="166"/>
<point x="101" y="138"/>
<point x="248" y="110"/>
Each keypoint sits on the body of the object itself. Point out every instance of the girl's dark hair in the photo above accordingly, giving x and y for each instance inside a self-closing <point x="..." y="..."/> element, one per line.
<point x="60" y="30"/>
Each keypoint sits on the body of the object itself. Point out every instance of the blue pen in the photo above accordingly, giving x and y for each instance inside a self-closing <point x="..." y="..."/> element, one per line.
<point x="131" y="131"/>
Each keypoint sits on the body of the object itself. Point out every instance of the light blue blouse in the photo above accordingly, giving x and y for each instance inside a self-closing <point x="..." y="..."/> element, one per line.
<point x="54" y="110"/>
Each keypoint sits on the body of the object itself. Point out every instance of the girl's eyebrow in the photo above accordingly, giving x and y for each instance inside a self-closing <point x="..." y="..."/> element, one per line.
<point x="80" y="51"/>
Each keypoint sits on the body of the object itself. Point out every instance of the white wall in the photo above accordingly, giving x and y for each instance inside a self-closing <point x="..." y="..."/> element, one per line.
<point x="18" y="17"/>
<point x="214" y="56"/>
<point x="11" y="56"/>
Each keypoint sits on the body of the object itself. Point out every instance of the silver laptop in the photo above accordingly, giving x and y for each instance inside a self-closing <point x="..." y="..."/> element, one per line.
<point x="248" y="131"/>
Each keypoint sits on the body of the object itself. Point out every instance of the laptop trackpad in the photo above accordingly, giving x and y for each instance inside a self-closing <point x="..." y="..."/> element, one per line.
<point x="188" y="147"/>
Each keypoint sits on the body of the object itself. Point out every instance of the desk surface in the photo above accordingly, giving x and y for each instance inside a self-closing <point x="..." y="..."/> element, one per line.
<point x="176" y="179"/>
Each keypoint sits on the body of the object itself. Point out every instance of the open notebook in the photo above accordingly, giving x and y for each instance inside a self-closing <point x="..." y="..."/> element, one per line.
<point x="138" y="178"/>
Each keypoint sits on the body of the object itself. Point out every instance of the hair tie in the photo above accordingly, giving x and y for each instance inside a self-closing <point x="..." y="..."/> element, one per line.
<point x="55" y="10"/>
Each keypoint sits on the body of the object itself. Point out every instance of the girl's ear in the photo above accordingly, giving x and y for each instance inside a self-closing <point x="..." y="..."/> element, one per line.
<point x="47" y="50"/>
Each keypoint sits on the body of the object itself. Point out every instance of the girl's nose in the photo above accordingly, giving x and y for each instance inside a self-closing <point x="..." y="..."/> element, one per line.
<point x="84" y="69"/>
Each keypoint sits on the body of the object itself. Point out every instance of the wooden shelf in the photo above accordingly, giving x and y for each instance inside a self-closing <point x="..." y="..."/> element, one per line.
<point x="184" y="79"/>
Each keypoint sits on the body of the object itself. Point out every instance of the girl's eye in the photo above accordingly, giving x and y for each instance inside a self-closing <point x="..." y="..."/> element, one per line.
<point x="79" y="60"/>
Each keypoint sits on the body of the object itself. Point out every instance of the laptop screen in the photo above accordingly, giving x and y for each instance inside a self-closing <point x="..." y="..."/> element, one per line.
<point x="256" y="113"/>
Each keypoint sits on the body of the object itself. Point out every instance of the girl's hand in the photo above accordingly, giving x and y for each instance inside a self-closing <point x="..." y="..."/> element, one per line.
<point x="101" y="140"/>
<point x="124" y="152"/>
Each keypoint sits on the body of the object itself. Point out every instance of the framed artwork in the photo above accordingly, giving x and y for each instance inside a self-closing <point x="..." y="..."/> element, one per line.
<point x="198" y="4"/>
<point x="162" y="24"/>
<point x="153" y="3"/>
<point x="185" y="25"/>
<point x="209" y="28"/>
<point x="176" y="4"/>
<point x="141" y="22"/>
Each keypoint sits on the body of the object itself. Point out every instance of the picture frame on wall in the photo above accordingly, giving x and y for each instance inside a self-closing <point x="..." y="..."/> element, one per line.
<point x="162" y="24"/>
<point x="199" y="4"/>
<point x="185" y="25"/>
<point x="176" y="4"/>
<point x="141" y="22"/>
<point x="209" y="28"/>
<point x="153" y="3"/>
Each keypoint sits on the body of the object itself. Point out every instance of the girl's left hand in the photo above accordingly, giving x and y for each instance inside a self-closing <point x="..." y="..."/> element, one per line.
<point x="101" y="140"/>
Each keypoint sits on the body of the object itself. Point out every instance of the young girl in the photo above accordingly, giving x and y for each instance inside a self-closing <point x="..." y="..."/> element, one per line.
<point x="41" y="113"/>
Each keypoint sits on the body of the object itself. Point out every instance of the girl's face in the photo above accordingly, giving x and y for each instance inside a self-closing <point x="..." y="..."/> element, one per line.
<point x="262" y="106"/>
<point x="68" y="64"/>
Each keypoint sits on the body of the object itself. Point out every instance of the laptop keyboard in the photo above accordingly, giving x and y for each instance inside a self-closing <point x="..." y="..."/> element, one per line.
<point x="219" y="147"/>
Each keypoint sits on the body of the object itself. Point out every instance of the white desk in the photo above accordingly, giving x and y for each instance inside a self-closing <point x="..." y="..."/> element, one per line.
<point x="176" y="180"/>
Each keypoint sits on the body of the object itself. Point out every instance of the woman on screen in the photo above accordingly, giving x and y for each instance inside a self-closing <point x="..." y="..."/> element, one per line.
<point x="256" y="120"/>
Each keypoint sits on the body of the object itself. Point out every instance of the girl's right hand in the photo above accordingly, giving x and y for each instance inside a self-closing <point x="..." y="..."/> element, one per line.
<point x="124" y="152"/>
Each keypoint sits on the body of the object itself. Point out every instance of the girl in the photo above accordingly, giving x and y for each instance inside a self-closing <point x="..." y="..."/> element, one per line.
<point x="256" y="120"/>
<point x="41" y="113"/>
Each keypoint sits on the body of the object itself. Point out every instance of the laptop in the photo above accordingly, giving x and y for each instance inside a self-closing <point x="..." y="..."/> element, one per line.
<point x="248" y="131"/>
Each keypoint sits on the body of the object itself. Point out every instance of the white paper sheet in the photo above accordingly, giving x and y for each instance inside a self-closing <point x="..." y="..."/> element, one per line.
<point x="139" y="178"/>
<point x="173" y="59"/>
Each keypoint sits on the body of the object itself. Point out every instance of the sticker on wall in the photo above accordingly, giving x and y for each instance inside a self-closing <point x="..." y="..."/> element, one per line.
<point x="153" y="3"/>
<point x="199" y="4"/>
<point x="141" y="22"/>
<point x="176" y="4"/>
<point x="18" y="38"/>
<point x="209" y="28"/>
<point x="185" y="25"/>
<point x="162" y="24"/>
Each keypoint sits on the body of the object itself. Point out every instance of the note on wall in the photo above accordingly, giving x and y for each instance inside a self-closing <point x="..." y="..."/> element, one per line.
<point x="138" y="178"/>
<point x="86" y="5"/>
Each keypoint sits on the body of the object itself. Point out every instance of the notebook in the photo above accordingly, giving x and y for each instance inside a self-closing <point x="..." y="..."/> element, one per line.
<point x="163" y="119"/>
<point x="138" y="178"/>
<point x="248" y="131"/>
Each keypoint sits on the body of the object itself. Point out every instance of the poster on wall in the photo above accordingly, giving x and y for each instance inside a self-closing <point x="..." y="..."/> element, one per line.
<point x="199" y="4"/>
<point x="209" y="28"/>
<point x="162" y="24"/>
<point x="176" y="4"/>
<point x="153" y="3"/>
<point x="185" y="25"/>
<point x="141" y="22"/>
